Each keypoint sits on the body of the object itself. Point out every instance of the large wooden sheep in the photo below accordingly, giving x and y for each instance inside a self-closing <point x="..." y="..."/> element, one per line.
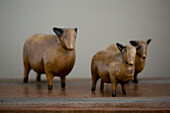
<point x="114" y="67"/>
<point x="53" y="55"/>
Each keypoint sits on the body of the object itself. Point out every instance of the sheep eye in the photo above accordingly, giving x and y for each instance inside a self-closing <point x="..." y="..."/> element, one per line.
<point x="65" y="36"/>
<point x="125" y="50"/>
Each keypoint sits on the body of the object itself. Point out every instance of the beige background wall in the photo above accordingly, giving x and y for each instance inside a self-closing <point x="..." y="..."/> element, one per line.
<point x="100" y="23"/>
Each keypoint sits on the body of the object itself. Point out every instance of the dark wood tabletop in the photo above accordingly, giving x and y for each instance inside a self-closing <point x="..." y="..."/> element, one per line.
<point x="149" y="95"/>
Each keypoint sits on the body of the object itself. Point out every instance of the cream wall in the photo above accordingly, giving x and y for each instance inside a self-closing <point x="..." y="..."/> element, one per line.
<point x="100" y="23"/>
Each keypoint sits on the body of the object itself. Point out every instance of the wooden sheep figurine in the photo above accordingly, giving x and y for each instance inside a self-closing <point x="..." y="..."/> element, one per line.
<point x="53" y="55"/>
<point x="140" y="57"/>
<point x="114" y="67"/>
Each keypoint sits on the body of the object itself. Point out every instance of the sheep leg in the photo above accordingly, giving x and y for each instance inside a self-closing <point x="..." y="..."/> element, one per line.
<point x="49" y="80"/>
<point x="62" y="82"/>
<point x="123" y="88"/>
<point x="135" y="78"/>
<point x="102" y="85"/>
<point x="114" y="84"/>
<point x="38" y="77"/>
<point x="95" y="78"/>
<point x="26" y="72"/>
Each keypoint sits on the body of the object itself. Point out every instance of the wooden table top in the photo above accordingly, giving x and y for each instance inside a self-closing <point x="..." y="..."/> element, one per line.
<point x="149" y="95"/>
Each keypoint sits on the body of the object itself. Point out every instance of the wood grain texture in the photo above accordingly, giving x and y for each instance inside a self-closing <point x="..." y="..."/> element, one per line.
<point x="149" y="95"/>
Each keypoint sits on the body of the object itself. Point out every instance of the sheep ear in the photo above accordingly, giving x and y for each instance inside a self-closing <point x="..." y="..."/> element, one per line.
<point x="133" y="43"/>
<point x="120" y="46"/>
<point x="148" y="41"/>
<point x="75" y="29"/>
<point x="58" y="31"/>
<point x="138" y="47"/>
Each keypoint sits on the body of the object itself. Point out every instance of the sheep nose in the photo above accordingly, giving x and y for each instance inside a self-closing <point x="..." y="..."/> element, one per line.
<point x="130" y="64"/>
<point x="70" y="48"/>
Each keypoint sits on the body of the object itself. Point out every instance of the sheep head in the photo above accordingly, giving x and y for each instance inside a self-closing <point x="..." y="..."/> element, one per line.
<point x="67" y="37"/>
<point x="144" y="44"/>
<point x="128" y="53"/>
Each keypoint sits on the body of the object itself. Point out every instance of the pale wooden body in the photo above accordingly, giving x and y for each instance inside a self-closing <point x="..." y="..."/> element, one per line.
<point x="47" y="54"/>
<point x="111" y="65"/>
<point x="112" y="68"/>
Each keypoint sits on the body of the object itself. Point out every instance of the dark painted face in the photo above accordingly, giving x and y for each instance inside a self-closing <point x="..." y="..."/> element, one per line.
<point x="143" y="51"/>
<point x="128" y="53"/>
<point x="67" y="37"/>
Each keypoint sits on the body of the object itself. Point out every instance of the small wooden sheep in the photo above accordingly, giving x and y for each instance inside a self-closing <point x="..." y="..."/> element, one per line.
<point x="53" y="55"/>
<point x="114" y="67"/>
<point x="140" y="57"/>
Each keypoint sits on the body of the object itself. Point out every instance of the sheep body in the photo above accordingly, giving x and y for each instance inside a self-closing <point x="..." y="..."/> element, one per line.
<point x="112" y="68"/>
<point x="50" y="54"/>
